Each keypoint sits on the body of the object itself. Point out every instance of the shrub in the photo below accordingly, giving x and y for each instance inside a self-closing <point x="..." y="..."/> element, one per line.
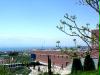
<point x="76" y="65"/>
<point x="89" y="63"/>
<point x="99" y="61"/>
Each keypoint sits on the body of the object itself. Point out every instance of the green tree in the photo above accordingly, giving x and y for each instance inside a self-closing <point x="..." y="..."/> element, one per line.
<point x="88" y="63"/>
<point x="4" y="70"/>
<point x="75" y="43"/>
<point x="13" y="55"/>
<point x="76" y="65"/>
<point x="49" y="66"/>
<point x="58" y="44"/>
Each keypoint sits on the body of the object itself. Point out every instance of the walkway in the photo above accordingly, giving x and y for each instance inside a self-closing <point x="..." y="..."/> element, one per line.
<point x="55" y="69"/>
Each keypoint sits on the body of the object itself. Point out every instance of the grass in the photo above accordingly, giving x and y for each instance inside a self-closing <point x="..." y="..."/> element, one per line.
<point x="14" y="71"/>
<point x="79" y="73"/>
<point x="87" y="73"/>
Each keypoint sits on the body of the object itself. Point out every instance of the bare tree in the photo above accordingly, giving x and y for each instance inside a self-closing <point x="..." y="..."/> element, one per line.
<point x="82" y="32"/>
<point x="95" y="4"/>
<point x="70" y="27"/>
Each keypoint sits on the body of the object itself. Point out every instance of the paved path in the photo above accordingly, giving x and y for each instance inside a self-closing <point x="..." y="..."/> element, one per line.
<point x="33" y="71"/>
<point x="55" y="69"/>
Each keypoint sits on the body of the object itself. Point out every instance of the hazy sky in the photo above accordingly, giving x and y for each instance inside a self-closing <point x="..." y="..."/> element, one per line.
<point x="33" y="22"/>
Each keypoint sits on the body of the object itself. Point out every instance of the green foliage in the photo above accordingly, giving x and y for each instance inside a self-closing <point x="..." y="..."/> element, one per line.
<point x="4" y="70"/>
<point x="99" y="62"/>
<point x="13" y="54"/>
<point x="88" y="63"/>
<point x="49" y="66"/>
<point x="72" y="48"/>
<point x="13" y="71"/>
<point x="77" y="65"/>
<point x="21" y="70"/>
<point x="86" y="73"/>
<point x="23" y="59"/>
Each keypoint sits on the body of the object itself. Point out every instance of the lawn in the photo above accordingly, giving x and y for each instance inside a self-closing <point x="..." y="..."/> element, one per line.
<point x="87" y="73"/>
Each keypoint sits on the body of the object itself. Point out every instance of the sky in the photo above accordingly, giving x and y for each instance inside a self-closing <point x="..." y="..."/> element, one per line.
<point x="32" y="23"/>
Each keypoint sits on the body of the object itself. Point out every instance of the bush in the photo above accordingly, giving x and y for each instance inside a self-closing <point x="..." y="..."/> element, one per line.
<point x="99" y="61"/>
<point x="77" y="65"/>
<point x="89" y="63"/>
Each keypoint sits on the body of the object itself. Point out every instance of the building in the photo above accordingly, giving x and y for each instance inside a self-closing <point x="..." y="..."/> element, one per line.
<point x="95" y="39"/>
<point x="57" y="58"/>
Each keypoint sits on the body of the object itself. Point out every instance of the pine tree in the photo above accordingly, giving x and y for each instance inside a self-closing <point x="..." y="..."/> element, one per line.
<point x="76" y="65"/>
<point x="49" y="66"/>
<point x="99" y="61"/>
<point x="89" y="63"/>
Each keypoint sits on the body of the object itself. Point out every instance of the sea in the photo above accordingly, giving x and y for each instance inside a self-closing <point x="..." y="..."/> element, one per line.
<point x="15" y="48"/>
<point x="24" y="48"/>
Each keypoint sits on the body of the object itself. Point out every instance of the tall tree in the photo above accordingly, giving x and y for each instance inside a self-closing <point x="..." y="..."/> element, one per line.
<point x="49" y="65"/>
<point x="12" y="55"/>
<point x="58" y="42"/>
<point x="75" y="43"/>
